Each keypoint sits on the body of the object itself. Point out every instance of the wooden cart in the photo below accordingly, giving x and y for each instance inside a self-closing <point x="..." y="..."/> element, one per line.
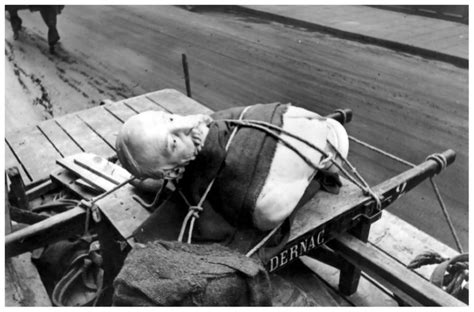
<point x="348" y="259"/>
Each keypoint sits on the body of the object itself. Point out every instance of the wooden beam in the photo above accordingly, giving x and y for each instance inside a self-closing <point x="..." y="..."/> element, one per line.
<point x="25" y="216"/>
<point x="55" y="228"/>
<point x="8" y="223"/>
<point x="40" y="189"/>
<point x="350" y="274"/>
<point x="368" y="294"/>
<point x="312" y="227"/>
<point x="17" y="188"/>
<point x="391" y="273"/>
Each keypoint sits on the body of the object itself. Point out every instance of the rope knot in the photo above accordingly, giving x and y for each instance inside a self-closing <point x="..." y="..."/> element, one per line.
<point x="195" y="210"/>
<point x="329" y="159"/>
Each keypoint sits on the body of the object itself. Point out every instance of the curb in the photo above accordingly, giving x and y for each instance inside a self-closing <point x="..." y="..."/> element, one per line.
<point x="393" y="45"/>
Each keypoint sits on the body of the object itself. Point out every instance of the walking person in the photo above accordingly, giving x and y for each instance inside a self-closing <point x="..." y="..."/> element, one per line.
<point x="49" y="14"/>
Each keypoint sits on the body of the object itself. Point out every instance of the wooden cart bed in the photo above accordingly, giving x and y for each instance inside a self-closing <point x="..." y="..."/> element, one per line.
<point x="34" y="151"/>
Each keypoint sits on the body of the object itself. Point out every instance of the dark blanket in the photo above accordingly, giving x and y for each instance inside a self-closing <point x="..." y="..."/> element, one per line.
<point x="170" y="273"/>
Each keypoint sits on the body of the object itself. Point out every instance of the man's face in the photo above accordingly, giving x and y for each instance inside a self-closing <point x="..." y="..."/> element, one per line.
<point x="159" y="142"/>
<point x="182" y="139"/>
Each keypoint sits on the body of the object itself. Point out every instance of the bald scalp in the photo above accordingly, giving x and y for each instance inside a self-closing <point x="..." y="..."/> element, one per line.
<point x="141" y="144"/>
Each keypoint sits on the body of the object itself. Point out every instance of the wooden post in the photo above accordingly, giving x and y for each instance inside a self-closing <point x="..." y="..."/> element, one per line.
<point x="186" y="75"/>
<point x="350" y="275"/>
<point x="17" y="188"/>
<point x="8" y="224"/>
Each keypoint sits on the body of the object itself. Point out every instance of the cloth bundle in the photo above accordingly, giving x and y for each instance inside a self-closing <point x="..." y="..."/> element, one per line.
<point x="165" y="273"/>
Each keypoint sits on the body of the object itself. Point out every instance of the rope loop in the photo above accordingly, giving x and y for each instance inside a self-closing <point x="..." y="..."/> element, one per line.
<point x="440" y="159"/>
<point x="329" y="159"/>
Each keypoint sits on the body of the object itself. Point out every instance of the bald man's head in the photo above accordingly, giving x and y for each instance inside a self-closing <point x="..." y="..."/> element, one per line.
<point x="157" y="144"/>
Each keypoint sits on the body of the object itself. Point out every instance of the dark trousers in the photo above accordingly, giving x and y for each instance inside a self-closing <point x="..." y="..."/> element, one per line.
<point x="49" y="14"/>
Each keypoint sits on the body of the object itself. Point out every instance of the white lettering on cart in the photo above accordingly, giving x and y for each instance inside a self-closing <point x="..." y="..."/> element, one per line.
<point x="297" y="250"/>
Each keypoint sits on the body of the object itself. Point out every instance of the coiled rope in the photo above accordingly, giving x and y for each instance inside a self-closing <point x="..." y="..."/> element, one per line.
<point x="449" y="274"/>
<point x="441" y="160"/>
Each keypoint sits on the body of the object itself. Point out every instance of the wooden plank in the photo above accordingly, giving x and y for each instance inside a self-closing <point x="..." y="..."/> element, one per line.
<point x="91" y="178"/>
<point x="124" y="213"/>
<point x="67" y="179"/>
<point x="404" y="242"/>
<point x="35" y="152"/>
<point x="103" y="123"/>
<point x="11" y="161"/>
<point x="61" y="141"/>
<point x="84" y="136"/>
<point x="367" y="294"/>
<point x="102" y="167"/>
<point x="391" y="273"/>
<point x="120" y="110"/>
<point x="142" y="103"/>
<point x="23" y="286"/>
<point x="177" y="103"/>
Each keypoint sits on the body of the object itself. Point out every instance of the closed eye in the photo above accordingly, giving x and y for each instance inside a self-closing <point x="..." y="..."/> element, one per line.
<point x="173" y="144"/>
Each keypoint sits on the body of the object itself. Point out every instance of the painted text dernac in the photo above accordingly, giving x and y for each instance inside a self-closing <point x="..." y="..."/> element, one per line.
<point x="298" y="249"/>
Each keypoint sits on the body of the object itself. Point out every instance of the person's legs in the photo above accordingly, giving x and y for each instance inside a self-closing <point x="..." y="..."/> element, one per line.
<point x="15" y="21"/>
<point x="49" y="15"/>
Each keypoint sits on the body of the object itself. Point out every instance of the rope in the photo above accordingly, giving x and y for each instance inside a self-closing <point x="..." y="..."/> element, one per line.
<point x="426" y="258"/>
<point x="259" y="125"/>
<point x="92" y="209"/>
<point x="263" y="126"/>
<point x="373" y="148"/>
<point x="446" y="215"/>
<point x="155" y="200"/>
<point x="362" y="184"/>
<point x="263" y="241"/>
<point x="194" y="211"/>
